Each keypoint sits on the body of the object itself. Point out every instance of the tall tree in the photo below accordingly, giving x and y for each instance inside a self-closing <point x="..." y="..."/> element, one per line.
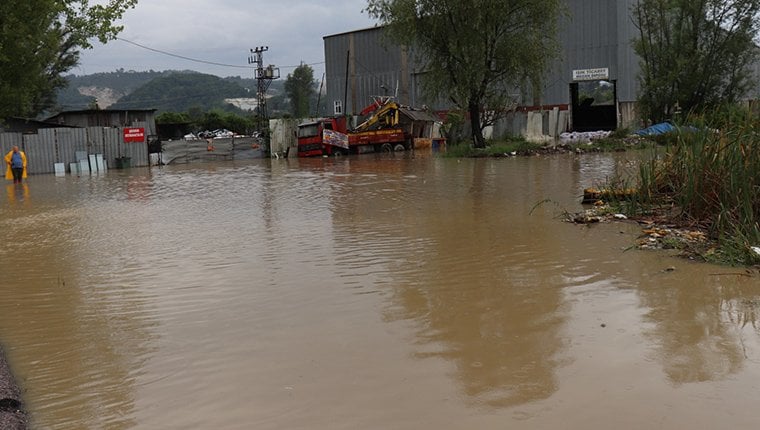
<point x="476" y="53"/>
<point x="41" y="39"/>
<point x="694" y="53"/>
<point x="299" y="86"/>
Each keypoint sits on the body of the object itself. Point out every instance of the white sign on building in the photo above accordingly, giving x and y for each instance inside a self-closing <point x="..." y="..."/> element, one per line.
<point x="591" y="74"/>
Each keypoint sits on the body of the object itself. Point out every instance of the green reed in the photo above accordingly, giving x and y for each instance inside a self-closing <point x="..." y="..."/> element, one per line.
<point x="712" y="176"/>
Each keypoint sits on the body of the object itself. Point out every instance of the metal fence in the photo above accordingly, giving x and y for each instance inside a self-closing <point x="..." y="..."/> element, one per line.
<point x="226" y="148"/>
<point x="60" y="145"/>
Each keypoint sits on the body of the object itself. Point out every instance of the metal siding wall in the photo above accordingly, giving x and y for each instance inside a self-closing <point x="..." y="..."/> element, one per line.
<point x="69" y="141"/>
<point x="137" y="151"/>
<point x="335" y="69"/>
<point x="112" y="138"/>
<point x="588" y="39"/>
<point x="46" y="150"/>
<point x="95" y="140"/>
<point x="628" y="61"/>
<point x="597" y="33"/>
<point x="41" y="158"/>
<point x="8" y="141"/>
<point x="59" y="145"/>
<point x="377" y="62"/>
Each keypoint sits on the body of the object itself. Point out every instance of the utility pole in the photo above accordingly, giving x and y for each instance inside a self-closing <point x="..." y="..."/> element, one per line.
<point x="264" y="77"/>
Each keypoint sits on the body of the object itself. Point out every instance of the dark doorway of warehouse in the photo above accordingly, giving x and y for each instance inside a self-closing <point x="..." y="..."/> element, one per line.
<point x="594" y="105"/>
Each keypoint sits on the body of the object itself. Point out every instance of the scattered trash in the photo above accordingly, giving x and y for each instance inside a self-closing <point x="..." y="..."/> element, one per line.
<point x="593" y="195"/>
<point x="212" y="134"/>
<point x="755" y="249"/>
<point x="655" y="234"/>
<point x="583" y="136"/>
<point x="586" y="217"/>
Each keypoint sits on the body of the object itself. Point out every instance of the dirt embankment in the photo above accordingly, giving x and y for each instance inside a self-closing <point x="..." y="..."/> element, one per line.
<point x="12" y="415"/>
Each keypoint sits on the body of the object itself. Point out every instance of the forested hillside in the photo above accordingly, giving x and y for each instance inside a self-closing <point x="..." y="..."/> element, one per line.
<point x="179" y="92"/>
<point x="104" y="88"/>
<point x="166" y="91"/>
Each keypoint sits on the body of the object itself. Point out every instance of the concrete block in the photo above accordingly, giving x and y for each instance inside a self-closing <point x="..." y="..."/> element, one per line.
<point x="84" y="166"/>
<point x="100" y="162"/>
<point x="93" y="163"/>
<point x="553" y="119"/>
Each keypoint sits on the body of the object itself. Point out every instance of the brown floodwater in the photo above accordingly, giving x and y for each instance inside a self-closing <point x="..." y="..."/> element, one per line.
<point x="364" y="292"/>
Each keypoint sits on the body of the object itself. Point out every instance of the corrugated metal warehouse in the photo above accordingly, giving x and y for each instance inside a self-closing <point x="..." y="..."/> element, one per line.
<point x="596" y="51"/>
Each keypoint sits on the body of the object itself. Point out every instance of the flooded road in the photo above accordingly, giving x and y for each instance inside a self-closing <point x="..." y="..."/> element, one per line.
<point x="362" y="293"/>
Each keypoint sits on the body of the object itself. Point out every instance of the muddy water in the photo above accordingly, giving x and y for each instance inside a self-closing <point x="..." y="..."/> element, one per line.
<point x="362" y="293"/>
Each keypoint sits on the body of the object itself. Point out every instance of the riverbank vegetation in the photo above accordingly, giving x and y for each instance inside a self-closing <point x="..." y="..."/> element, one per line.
<point x="618" y="141"/>
<point x="503" y="148"/>
<point x="699" y="192"/>
<point x="708" y="176"/>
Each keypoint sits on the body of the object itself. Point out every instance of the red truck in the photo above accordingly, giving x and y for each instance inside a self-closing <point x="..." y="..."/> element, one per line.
<point x="381" y="132"/>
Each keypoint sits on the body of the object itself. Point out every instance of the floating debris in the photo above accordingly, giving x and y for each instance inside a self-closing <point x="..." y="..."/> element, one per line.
<point x="594" y="195"/>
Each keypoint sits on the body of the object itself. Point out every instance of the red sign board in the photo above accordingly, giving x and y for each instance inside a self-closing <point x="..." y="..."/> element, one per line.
<point x="134" y="135"/>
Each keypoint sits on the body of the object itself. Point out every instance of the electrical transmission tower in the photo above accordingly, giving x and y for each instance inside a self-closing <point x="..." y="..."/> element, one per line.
<point x="264" y="77"/>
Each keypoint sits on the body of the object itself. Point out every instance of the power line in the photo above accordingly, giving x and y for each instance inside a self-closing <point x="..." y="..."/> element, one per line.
<point x="213" y="63"/>
<point x="183" y="57"/>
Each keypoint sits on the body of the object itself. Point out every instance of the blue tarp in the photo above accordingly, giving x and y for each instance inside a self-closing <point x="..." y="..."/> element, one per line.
<point x="657" y="129"/>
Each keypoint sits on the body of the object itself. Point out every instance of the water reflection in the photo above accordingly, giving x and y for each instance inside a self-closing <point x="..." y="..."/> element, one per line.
<point x="705" y="328"/>
<point x="69" y="317"/>
<point x="374" y="292"/>
<point x="18" y="193"/>
<point x="481" y="298"/>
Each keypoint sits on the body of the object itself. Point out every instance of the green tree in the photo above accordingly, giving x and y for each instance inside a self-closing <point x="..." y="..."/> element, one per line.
<point x="694" y="53"/>
<point x="172" y="118"/>
<point x="475" y="52"/>
<point x="299" y="87"/>
<point x="40" y="40"/>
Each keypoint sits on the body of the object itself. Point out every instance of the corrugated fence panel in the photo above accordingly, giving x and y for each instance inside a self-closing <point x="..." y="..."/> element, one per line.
<point x="69" y="141"/>
<point x="60" y="145"/>
<point x="39" y="155"/>
<point x="111" y="145"/>
<point x="95" y="140"/>
<point x="8" y="141"/>
<point x="138" y="151"/>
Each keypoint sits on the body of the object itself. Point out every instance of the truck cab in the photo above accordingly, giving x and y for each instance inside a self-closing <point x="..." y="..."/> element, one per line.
<point x="311" y="137"/>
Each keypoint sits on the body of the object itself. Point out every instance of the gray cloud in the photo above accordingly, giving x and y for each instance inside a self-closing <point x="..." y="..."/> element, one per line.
<point x="223" y="31"/>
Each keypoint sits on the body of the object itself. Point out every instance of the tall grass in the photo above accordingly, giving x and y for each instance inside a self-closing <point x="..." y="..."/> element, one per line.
<point x="711" y="173"/>
<point x="493" y="149"/>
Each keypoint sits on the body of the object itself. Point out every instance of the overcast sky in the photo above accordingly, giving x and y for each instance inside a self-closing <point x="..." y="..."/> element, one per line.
<point x="224" y="31"/>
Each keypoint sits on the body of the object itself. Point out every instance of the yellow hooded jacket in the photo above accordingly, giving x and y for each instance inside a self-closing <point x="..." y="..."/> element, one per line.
<point x="8" y="173"/>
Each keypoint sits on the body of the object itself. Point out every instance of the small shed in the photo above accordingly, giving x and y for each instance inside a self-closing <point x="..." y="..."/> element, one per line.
<point x="107" y="118"/>
<point x="418" y="123"/>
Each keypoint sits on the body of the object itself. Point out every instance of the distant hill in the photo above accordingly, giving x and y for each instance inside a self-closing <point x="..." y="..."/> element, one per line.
<point x="103" y="88"/>
<point x="179" y="92"/>
<point x="174" y="91"/>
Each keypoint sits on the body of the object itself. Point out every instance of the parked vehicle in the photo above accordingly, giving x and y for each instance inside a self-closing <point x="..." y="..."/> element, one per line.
<point x="388" y="127"/>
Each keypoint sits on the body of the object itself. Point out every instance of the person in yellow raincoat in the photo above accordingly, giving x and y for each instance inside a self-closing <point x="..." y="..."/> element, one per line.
<point x="16" y="162"/>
